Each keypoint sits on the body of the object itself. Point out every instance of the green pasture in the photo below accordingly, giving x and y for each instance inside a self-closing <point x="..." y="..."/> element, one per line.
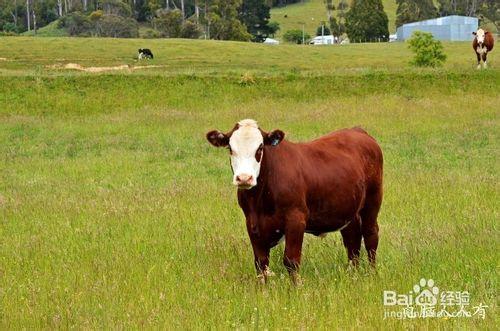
<point x="116" y="213"/>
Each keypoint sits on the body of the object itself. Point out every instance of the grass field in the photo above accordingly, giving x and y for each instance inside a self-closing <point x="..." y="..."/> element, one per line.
<point x="116" y="213"/>
<point x="311" y="13"/>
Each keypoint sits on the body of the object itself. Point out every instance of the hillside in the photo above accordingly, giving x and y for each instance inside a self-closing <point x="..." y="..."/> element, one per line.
<point x="208" y="57"/>
<point x="312" y="12"/>
<point x="50" y="30"/>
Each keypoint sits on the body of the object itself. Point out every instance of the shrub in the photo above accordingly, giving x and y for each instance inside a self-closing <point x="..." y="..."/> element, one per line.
<point x="295" y="36"/>
<point x="77" y="24"/>
<point x="96" y="15"/>
<point x="168" y="22"/>
<point x="10" y="27"/>
<point x="428" y="51"/>
<point x="117" y="27"/>
<point x="190" y="30"/>
<point x="151" y="34"/>
<point x="7" y="34"/>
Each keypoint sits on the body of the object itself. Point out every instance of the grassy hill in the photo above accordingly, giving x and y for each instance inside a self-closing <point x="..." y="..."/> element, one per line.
<point x="115" y="213"/>
<point x="50" y="30"/>
<point x="312" y="12"/>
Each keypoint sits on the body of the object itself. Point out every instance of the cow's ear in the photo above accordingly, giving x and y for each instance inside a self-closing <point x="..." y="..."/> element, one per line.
<point x="474" y="33"/>
<point x="217" y="138"/>
<point x="274" y="137"/>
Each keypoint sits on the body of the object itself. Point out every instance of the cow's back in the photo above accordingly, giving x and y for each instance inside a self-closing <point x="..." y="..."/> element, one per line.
<point x="353" y="146"/>
<point x="339" y="170"/>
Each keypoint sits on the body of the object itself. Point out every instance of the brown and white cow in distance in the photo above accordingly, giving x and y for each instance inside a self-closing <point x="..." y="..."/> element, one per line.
<point x="482" y="44"/>
<point x="288" y="189"/>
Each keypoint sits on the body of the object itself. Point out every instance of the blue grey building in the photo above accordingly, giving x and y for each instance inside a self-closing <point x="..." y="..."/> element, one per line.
<point x="450" y="28"/>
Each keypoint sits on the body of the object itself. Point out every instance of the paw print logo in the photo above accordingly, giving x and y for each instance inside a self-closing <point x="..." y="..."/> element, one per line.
<point x="426" y="293"/>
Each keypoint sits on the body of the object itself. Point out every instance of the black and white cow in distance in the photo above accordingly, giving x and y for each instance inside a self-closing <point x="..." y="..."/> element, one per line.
<point x="145" y="53"/>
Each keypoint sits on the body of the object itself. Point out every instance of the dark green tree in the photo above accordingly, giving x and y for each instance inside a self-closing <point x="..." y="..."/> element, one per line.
<point x="255" y="15"/>
<point x="367" y="21"/>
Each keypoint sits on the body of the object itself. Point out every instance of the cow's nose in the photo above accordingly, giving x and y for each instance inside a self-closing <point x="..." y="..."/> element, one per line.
<point x="244" y="179"/>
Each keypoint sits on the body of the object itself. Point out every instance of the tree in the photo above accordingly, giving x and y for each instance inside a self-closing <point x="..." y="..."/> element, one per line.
<point x="459" y="7"/>
<point x="428" y="51"/>
<point x="255" y="15"/>
<point x="117" y="27"/>
<point x="190" y="30"/>
<point x="414" y="10"/>
<point x="77" y="24"/>
<point x="367" y="21"/>
<point x="168" y="22"/>
<point x="223" y="22"/>
<point x="490" y="10"/>
<point x="334" y="27"/>
<point x="341" y="13"/>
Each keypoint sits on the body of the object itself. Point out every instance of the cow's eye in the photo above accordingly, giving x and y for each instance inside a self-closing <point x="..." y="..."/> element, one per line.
<point x="258" y="153"/>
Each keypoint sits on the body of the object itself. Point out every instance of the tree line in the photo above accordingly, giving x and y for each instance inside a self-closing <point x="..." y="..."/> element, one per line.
<point x="360" y="20"/>
<point x="418" y="10"/>
<point x="217" y="19"/>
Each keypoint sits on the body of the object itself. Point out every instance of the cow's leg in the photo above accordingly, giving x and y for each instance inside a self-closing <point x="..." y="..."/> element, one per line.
<point x="484" y="60"/>
<point x="294" y="235"/>
<point x="478" y="60"/>
<point x="261" y="260"/>
<point x="351" y="235"/>
<point x="369" y="225"/>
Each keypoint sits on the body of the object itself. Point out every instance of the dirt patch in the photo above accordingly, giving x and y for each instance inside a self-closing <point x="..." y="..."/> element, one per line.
<point x="3" y="59"/>
<point x="76" y="66"/>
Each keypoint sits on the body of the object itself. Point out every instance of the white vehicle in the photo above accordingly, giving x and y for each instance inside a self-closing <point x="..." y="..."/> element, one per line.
<point x="271" y="41"/>
<point x="393" y="38"/>
<point x="323" y="40"/>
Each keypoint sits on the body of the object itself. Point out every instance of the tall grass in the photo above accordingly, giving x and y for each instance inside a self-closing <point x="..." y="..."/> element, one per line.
<point x="116" y="213"/>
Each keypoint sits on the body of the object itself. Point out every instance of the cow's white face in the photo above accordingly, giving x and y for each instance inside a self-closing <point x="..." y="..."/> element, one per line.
<point x="480" y="36"/>
<point x="246" y="147"/>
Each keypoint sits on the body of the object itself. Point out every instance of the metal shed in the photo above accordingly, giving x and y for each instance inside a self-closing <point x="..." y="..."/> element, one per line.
<point x="450" y="28"/>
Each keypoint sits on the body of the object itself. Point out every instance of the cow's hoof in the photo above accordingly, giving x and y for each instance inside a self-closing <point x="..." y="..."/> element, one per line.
<point x="485" y="65"/>
<point x="296" y="279"/>
<point x="262" y="279"/>
<point x="268" y="273"/>
<point x="264" y="275"/>
<point x="478" y="67"/>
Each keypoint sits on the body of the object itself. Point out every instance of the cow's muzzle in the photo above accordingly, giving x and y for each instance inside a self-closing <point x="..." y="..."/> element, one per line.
<point x="244" y="181"/>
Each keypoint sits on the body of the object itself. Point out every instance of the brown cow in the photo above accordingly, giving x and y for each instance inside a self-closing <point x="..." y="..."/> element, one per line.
<point x="482" y="44"/>
<point x="288" y="189"/>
